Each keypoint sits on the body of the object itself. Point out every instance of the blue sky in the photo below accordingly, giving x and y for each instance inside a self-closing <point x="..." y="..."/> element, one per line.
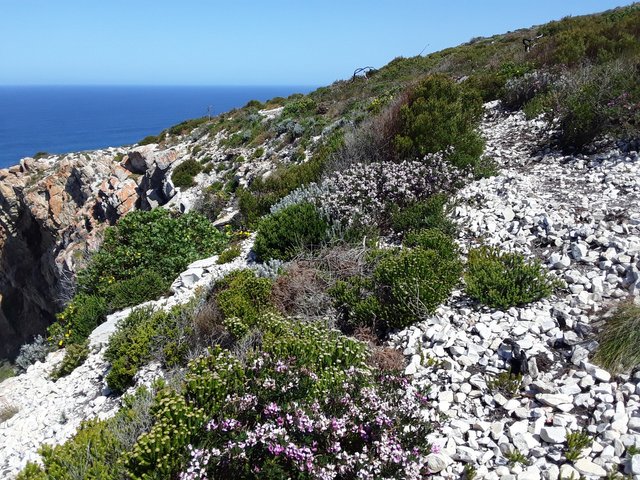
<point x="242" y="42"/>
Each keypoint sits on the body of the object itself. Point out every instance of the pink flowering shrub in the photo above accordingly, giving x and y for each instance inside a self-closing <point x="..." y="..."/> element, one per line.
<point x="279" y="426"/>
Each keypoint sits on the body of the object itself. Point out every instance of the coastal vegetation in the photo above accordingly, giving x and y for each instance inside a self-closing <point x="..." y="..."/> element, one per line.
<point x="279" y="370"/>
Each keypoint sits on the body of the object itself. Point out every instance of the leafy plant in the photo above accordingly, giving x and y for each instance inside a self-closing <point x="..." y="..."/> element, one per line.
<point x="155" y="241"/>
<point x="506" y="383"/>
<point x="404" y="286"/>
<point x="441" y="115"/>
<point x="502" y="280"/>
<point x="74" y="324"/>
<point x="74" y="356"/>
<point x="426" y="214"/>
<point x="242" y="297"/>
<point x="183" y="175"/>
<point x="283" y="233"/>
<point x="619" y="341"/>
<point x="576" y="442"/>
<point x="515" y="457"/>
<point x="230" y="254"/>
<point x="144" y="335"/>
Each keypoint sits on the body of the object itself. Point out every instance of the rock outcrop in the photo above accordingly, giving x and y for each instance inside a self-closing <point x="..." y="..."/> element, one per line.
<point x="52" y="211"/>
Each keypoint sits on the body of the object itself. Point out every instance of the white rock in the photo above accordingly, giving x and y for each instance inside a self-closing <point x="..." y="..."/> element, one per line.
<point x="553" y="434"/>
<point x="587" y="467"/>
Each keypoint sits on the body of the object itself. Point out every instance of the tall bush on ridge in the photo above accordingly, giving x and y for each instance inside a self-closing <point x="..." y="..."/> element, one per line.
<point x="440" y="115"/>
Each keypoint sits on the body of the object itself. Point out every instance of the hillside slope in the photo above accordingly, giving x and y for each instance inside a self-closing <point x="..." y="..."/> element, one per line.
<point x="442" y="278"/>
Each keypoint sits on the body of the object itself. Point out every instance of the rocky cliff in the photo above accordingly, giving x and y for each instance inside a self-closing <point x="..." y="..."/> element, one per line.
<point x="52" y="210"/>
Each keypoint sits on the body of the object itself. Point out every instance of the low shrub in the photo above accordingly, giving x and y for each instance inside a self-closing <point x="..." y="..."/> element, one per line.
<point x="6" y="370"/>
<point x="149" y="140"/>
<point x="301" y="290"/>
<point x="135" y="290"/>
<point x="74" y="324"/>
<point x="302" y="434"/>
<point x="230" y="254"/>
<point x="283" y="233"/>
<point x="619" y="340"/>
<point x="502" y="280"/>
<point x="31" y="353"/>
<point x="593" y="101"/>
<point x="257" y="200"/>
<point x="212" y="202"/>
<point x="147" y="335"/>
<point x="426" y="214"/>
<point x="368" y="194"/>
<point x="414" y="283"/>
<point x="242" y="297"/>
<point x="74" y="356"/>
<point x="183" y="175"/>
<point x="405" y="285"/>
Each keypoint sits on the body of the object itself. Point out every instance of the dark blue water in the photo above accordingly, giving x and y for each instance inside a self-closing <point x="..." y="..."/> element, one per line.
<point x="69" y="119"/>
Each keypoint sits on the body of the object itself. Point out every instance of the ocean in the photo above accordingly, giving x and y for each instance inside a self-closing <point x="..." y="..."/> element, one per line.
<point x="71" y="118"/>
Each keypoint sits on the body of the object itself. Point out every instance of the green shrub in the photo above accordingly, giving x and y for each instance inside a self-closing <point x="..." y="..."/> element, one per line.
<point x="242" y="298"/>
<point x="414" y="283"/>
<point x="433" y="239"/>
<point x="229" y="254"/>
<point x="184" y="173"/>
<point x="187" y="126"/>
<point x="145" y="335"/>
<point x="136" y="290"/>
<point x="441" y="114"/>
<point x="619" y="340"/>
<point x="285" y="232"/>
<point x="422" y="215"/>
<point x="502" y="280"/>
<point x="74" y="356"/>
<point x="598" y="100"/>
<point x="257" y="153"/>
<point x="298" y="108"/>
<point x="156" y="241"/>
<point x="149" y="139"/>
<point x="83" y="314"/>
<point x="405" y="284"/>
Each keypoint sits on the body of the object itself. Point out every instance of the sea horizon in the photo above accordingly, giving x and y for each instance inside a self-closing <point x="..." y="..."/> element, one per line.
<point x="60" y="119"/>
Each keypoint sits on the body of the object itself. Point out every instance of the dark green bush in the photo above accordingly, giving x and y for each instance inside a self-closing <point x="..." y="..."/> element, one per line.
<point x="183" y="174"/>
<point x="284" y="233"/>
<point x="242" y="298"/>
<point x="187" y="126"/>
<point x="149" y="139"/>
<point x="502" y="280"/>
<point x="83" y="314"/>
<point x="441" y="114"/>
<point x="229" y="254"/>
<point x="142" y="242"/>
<point x="429" y="213"/>
<point x="74" y="356"/>
<point x="414" y="283"/>
<point x="136" y="290"/>
<point x="404" y="286"/>
<point x="298" y="108"/>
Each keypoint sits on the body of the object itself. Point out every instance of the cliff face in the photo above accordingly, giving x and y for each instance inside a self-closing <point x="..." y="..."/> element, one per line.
<point x="52" y="211"/>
